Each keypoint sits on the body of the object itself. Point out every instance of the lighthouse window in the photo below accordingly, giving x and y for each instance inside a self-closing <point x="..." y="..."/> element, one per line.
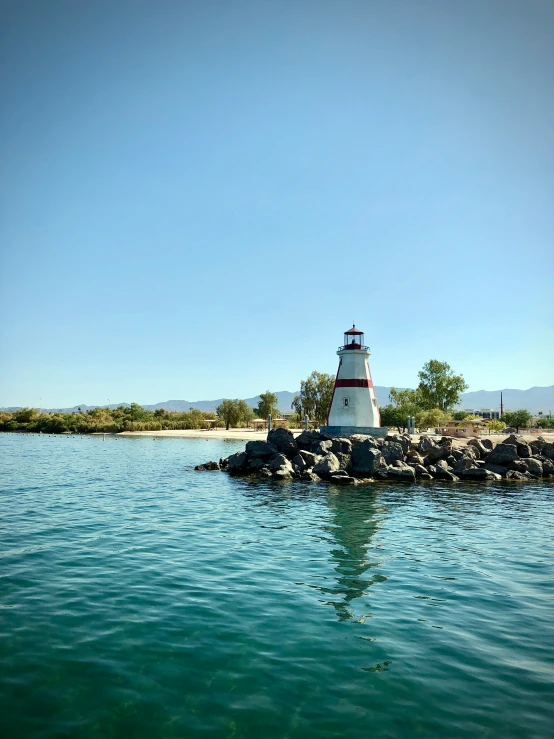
<point x="346" y="402"/>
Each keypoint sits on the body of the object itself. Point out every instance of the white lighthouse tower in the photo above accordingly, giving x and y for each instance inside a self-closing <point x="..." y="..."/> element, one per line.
<point x="354" y="408"/>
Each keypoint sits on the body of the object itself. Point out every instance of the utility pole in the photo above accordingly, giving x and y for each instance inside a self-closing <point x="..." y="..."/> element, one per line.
<point x="501" y="405"/>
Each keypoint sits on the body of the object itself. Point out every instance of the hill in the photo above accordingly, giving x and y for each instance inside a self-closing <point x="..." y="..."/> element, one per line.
<point x="534" y="399"/>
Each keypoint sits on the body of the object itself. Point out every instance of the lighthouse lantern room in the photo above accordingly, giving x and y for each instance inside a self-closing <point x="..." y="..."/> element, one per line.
<point x="354" y="408"/>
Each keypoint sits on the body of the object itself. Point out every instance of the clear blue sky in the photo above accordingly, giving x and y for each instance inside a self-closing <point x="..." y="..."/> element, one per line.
<point x="197" y="198"/>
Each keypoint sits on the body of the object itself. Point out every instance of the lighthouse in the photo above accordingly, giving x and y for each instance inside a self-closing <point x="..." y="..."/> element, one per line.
<point x="354" y="408"/>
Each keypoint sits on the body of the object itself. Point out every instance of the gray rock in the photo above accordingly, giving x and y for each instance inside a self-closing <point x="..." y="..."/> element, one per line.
<point x="341" y="446"/>
<point x="344" y="460"/>
<point x="207" y="466"/>
<point x="400" y="465"/>
<point x="445" y="474"/>
<point x="514" y="475"/>
<point x="518" y="465"/>
<point x="440" y="451"/>
<point x="339" y="473"/>
<point x="534" y="466"/>
<point x="497" y="468"/>
<point x="425" y="476"/>
<point x="414" y="457"/>
<point x="322" y="447"/>
<point x="406" y="473"/>
<point x="309" y="457"/>
<point x="223" y="462"/>
<point x="254" y="464"/>
<point x="548" y="451"/>
<point x="523" y="448"/>
<point x="310" y="476"/>
<point x="465" y="463"/>
<point x="366" y="459"/>
<point x="299" y="464"/>
<point x="480" y="449"/>
<point x="236" y="463"/>
<point x="381" y="474"/>
<point x="307" y="439"/>
<point x="425" y="445"/>
<point x="431" y="469"/>
<point x="479" y="473"/>
<point x="327" y="465"/>
<point x="391" y="451"/>
<point x="284" y="473"/>
<point x="360" y="438"/>
<point x="260" y="449"/>
<point x="345" y="480"/>
<point x="265" y="472"/>
<point x="278" y="461"/>
<point x="547" y="465"/>
<point x="284" y="441"/>
<point x="442" y="464"/>
<point x="503" y="454"/>
<point x="420" y="471"/>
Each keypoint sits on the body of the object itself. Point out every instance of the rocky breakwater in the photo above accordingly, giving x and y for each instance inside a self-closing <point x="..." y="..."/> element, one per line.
<point x="350" y="461"/>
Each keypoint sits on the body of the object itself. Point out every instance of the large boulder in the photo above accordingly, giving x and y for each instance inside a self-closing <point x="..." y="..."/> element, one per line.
<point x="441" y="450"/>
<point x="497" y="468"/>
<point x="425" y="444"/>
<point x="299" y="464"/>
<point x="420" y="470"/>
<point x="479" y="473"/>
<point x="534" y="466"/>
<point x="344" y="460"/>
<point x="322" y="447"/>
<point x="344" y="480"/>
<point x="392" y="450"/>
<point x="207" y="466"/>
<point x="481" y="450"/>
<point x="503" y="454"/>
<point x="307" y="439"/>
<point x="283" y="440"/>
<point x="236" y="463"/>
<point x="514" y="475"/>
<point x="523" y="448"/>
<point x="548" y="451"/>
<point x="365" y="459"/>
<point x="465" y="463"/>
<point x="260" y="449"/>
<point x="547" y="465"/>
<point x="406" y="473"/>
<point x="278" y="461"/>
<point x="328" y="464"/>
<point x="309" y="457"/>
<point x="341" y="446"/>
<point x="518" y="465"/>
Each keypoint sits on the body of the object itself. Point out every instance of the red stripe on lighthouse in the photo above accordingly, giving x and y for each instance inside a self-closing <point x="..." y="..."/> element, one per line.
<point x="353" y="383"/>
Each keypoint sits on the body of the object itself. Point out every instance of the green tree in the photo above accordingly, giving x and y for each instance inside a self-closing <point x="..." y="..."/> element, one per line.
<point x="460" y="415"/>
<point x="393" y="416"/>
<point x="439" y="387"/>
<point x="234" y="412"/>
<point x="267" y="405"/>
<point x="517" y="419"/>
<point x="430" y="419"/>
<point x="545" y="423"/>
<point x="496" y="425"/>
<point x="314" y="400"/>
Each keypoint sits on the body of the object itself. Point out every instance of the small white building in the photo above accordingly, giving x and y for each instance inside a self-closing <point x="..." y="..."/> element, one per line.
<point x="354" y="408"/>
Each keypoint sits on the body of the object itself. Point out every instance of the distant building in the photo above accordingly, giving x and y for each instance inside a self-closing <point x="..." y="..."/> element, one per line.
<point x="488" y="413"/>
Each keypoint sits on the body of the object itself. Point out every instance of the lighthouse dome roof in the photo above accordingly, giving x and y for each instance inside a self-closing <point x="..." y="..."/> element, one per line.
<point x="353" y="332"/>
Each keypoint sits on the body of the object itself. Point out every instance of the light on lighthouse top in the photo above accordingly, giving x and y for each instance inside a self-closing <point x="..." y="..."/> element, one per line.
<point x="353" y="339"/>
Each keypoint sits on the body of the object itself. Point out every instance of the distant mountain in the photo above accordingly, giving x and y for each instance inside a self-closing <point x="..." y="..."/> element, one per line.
<point x="534" y="399"/>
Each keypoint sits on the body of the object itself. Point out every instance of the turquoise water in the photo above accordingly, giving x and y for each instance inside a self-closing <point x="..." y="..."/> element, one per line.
<point x="142" y="599"/>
